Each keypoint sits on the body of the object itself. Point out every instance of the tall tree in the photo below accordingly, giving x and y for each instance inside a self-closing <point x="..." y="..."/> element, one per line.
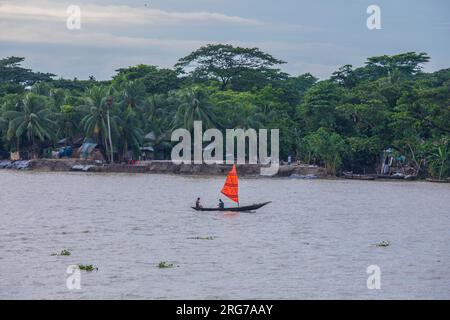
<point x="32" y="120"/>
<point x="226" y="63"/>
<point x="327" y="147"/>
<point x="394" y="67"/>
<point x="13" y="77"/>
<point x="345" y="76"/>
<point x="155" y="80"/>
<point x="193" y="106"/>
<point x="95" y="122"/>
<point x="131" y="94"/>
<point x="131" y="135"/>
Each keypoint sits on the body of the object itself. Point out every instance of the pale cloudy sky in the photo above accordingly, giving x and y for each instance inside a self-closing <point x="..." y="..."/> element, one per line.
<point x="315" y="36"/>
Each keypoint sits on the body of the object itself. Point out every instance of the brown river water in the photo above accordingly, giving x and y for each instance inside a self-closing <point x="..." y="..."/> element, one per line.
<point x="315" y="240"/>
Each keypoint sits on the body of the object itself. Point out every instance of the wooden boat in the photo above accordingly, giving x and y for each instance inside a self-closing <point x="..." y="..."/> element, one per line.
<point x="437" y="180"/>
<point x="230" y="189"/>
<point x="243" y="208"/>
<point x="390" y="177"/>
<point x="350" y="175"/>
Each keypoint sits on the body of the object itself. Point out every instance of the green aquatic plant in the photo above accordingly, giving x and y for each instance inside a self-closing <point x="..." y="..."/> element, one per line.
<point x="383" y="243"/>
<point x="164" y="264"/>
<point x="64" y="252"/>
<point x="203" y="238"/>
<point x="87" y="267"/>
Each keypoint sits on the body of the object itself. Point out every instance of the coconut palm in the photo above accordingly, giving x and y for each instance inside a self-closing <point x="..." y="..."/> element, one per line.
<point x="248" y="116"/>
<point x="130" y="133"/>
<point x="32" y="119"/>
<point x="95" y="122"/>
<point x="41" y="88"/>
<point x="193" y="106"/>
<point x="159" y="113"/>
<point x="68" y="120"/>
<point x="131" y="94"/>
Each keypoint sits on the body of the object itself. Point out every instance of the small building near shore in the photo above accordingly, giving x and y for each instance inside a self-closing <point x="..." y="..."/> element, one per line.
<point x="90" y="150"/>
<point x="147" y="153"/>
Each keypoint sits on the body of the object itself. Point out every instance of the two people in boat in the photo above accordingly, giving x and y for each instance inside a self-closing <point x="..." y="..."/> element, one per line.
<point x="198" y="205"/>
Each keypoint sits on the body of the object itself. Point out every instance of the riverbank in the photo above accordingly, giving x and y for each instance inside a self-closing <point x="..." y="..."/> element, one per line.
<point x="159" y="166"/>
<point x="294" y="171"/>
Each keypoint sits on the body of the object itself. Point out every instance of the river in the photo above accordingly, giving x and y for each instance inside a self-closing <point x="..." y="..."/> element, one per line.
<point x="314" y="241"/>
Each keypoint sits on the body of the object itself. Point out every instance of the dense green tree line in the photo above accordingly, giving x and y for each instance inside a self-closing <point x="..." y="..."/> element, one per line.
<point x="342" y="123"/>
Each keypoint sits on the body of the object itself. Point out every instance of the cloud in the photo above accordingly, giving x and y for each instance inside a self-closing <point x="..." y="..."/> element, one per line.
<point x="44" y="35"/>
<point x="113" y="35"/>
<point x="114" y="14"/>
<point x="86" y="47"/>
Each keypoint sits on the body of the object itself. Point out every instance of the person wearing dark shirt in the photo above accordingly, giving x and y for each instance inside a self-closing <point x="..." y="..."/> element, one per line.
<point x="197" y="204"/>
<point x="221" y="204"/>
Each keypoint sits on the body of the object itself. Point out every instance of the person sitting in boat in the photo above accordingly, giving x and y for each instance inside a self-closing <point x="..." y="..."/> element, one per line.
<point x="221" y="205"/>
<point x="197" y="204"/>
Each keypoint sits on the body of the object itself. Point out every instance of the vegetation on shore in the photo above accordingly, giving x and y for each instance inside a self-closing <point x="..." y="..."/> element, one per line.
<point x="342" y="123"/>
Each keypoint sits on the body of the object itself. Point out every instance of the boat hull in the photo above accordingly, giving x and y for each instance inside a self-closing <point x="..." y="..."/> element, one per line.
<point x="243" y="208"/>
<point x="437" y="180"/>
<point x="358" y="176"/>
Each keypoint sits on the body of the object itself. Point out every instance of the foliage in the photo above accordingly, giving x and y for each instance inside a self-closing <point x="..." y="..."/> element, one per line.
<point x="154" y="79"/>
<point x="226" y="64"/>
<point x="164" y="265"/>
<point x="342" y="123"/>
<point x="13" y="77"/>
<point x="64" y="252"/>
<point x="383" y="243"/>
<point x="87" y="267"/>
<point x="326" y="147"/>
<point x="30" y="121"/>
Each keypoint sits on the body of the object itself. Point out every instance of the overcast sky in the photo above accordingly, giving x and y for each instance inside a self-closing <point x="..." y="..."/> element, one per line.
<point x="315" y="36"/>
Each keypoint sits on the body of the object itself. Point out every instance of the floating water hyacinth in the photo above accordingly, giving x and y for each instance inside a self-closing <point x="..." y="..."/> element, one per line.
<point x="206" y="238"/>
<point x="203" y="238"/>
<point x="164" y="264"/>
<point x="87" y="267"/>
<point x="383" y="243"/>
<point x="64" y="252"/>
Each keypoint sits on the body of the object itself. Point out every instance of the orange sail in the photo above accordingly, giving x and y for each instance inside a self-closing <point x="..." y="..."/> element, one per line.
<point x="230" y="188"/>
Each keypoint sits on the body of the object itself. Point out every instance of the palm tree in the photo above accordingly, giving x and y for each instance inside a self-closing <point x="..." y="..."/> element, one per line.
<point x="95" y="122"/>
<point x="131" y="94"/>
<point x="251" y="116"/>
<point x="160" y="114"/>
<point x="41" y="88"/>
<point x="68" y="120"/>
<point x="193" y="106"/>
<point x="131" y="135"/>
<point x="32" y="118"/>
